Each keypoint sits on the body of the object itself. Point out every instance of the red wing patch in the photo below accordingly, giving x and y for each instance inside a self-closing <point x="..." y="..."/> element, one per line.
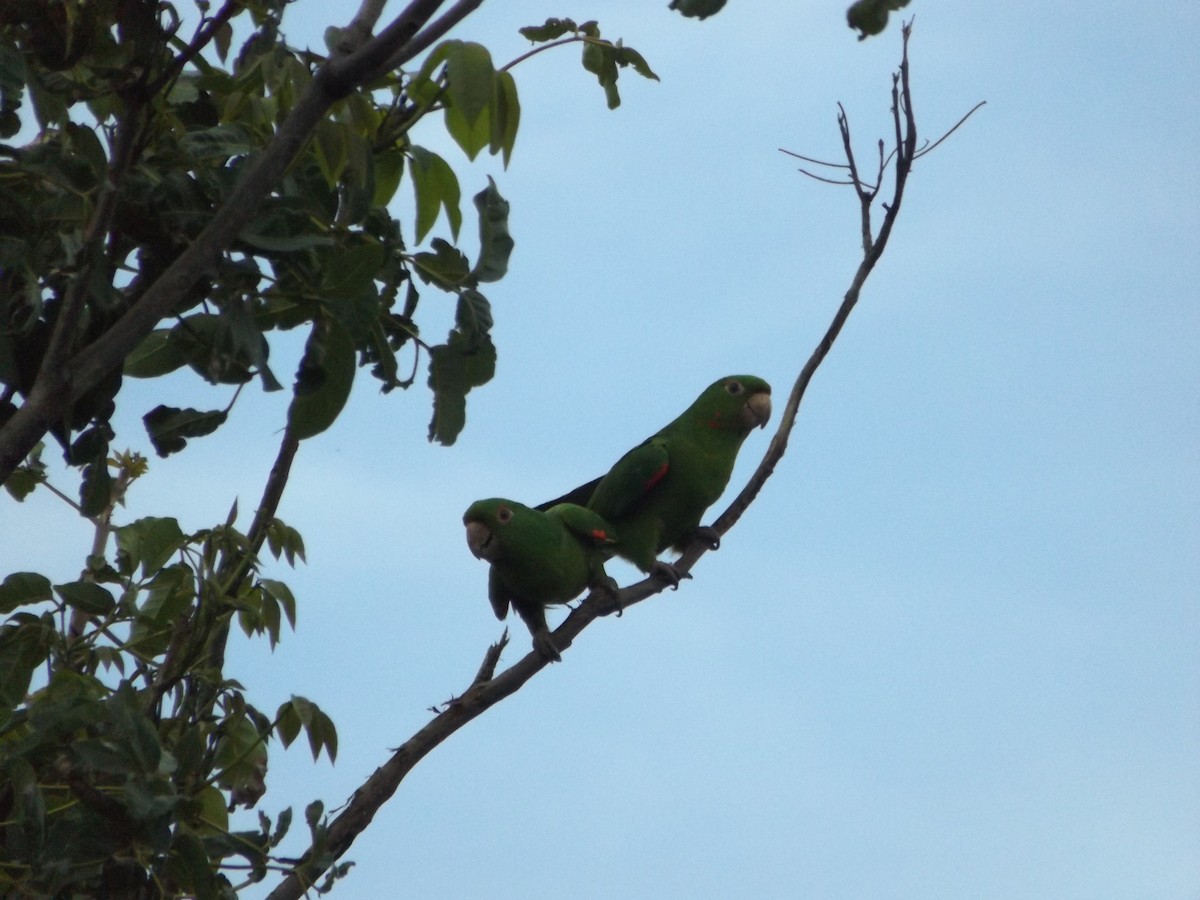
<point x="656" y="477"/>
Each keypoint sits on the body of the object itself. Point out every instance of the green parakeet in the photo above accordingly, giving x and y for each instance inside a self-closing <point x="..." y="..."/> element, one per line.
<point x="538" y="558"/>
<point x="656" y="493"/>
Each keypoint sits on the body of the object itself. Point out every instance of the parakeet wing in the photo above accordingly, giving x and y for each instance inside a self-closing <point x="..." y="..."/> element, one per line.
<point x="498" y="594"/>
<point x="579" y="496"/>
<point x="633" y="476"/>
<point x="584" y="523"/>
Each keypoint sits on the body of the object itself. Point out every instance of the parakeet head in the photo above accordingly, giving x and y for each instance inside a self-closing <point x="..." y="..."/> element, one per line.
<point x="735" y="403"/>
<point x="486" y="521"/>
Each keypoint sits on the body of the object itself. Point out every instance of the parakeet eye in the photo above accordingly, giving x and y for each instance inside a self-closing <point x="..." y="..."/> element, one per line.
<point x="733" y="387"/>
<point x="503" y="515"/>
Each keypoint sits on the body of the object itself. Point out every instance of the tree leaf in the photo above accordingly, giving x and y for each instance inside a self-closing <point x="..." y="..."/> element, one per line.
<point x="283" y="594"/>
<point x="348" y="287"/>
<point x="95" y="490"/>
<point x="473" y="315"/>
<point x="470" y="135"/>
<point x="150" y="541"/>
<point x="505" y="116"/>
<point x="627" y="56"/>
<point x="870" y="17"/>
<point x="358" y="179"/>
<point x="172" y="592"/>
<point x="189" y="866"/>
<point x="454" y="368"/>
<point x="156" y="355"/>
<point x="87" y="597"/>
<point x="389" y="169"/>
<point x="470" y="79"/>
<point x="446" y="267"/>
<point x="697" y="9"/>
<point x="436" y="187"/>
<point x="495" y="243"/>
<point x="551" y="30"/>
<point x="23" y="588"/>
<point x="219" y="142"/>
<point x="323" y="380"/>
<point x="169" y="427"/>
<point x="331" y="148"/>
<point x="22" y="650"/>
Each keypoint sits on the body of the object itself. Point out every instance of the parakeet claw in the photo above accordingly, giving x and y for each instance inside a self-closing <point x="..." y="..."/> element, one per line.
<point x="543" y="643"/>
<point x="664" y="571"/>
<point x="607" y="593"/>
<point x="709" y="535"/>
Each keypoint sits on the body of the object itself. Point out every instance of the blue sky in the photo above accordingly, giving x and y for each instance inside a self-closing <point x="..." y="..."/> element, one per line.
<point x="953" y="650"/>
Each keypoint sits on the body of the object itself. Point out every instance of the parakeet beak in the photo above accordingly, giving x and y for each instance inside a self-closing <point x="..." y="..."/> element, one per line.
<point x="479" y="539"/>
<point x="757" y="410"/>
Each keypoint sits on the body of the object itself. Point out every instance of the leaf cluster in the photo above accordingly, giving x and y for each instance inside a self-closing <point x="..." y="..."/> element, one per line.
<point x="122" y="752"/>
<point x="870" y="17"/>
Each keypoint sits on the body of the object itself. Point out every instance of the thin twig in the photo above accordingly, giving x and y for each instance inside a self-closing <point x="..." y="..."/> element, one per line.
<point x="204" y="35"/>
<point x="817" y="162"/>
<point x="931" y="147"/>
<point x="816" y="177"/>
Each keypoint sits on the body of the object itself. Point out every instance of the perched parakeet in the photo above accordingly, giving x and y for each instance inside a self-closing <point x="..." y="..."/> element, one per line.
<point x="538" y="558"/>
<point x="656" y="493"/>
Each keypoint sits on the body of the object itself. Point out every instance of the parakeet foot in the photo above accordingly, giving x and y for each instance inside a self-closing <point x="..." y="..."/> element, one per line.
<point x="543" y="643"/>
<point x="665" y="571"/>
<point x="607" y="593"/>
<point x="709" y="535"/>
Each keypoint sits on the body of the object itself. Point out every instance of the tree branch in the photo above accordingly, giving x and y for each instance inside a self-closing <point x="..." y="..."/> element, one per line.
<point x="50" y="394"/>
<point x="204" y="35"/>
<point x="435" y="30"/>
<point x="485" y="691"/>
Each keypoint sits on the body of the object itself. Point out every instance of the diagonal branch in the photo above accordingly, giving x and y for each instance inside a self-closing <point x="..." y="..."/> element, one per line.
<point x="431" y="33"/>
<point x="204" y="35"/>
<point x="52" y="390"/>
<point x="485" y="691"/>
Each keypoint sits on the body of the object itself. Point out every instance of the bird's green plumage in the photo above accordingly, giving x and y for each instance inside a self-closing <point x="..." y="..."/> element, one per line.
<point x="656" y="494"/>
<point x="538" y="558"/>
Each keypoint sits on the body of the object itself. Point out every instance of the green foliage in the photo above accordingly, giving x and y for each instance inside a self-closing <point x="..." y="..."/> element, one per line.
<point x="601" y="57"/>
<point x="697" y="9"/>
<point x="169" y="427"/>
<point x="323" y="245"/>
<point x="323" y="380"/>
<point x="119" y="769"/>
<point x="870" y="17"/>
<point x="465" y="361"/>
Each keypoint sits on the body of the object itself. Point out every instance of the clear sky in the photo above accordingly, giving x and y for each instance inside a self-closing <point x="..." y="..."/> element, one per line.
<point x="953" y="650"/>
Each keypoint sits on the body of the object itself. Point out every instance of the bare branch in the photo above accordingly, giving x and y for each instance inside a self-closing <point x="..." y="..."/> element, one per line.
<point x="204" y="35"/>
<point x="816" y="162"/>
<point x="487" y="669"/>
<point x="359" y="31"/>
<point x="423" y="40"/>
<point x="906" y="142"/>
<point x="816" y="177"/>
<point x="929" y="148"/>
